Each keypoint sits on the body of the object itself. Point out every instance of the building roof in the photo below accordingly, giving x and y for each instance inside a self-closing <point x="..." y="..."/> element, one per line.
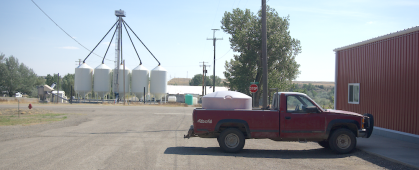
<point x="47" y="88"/>
<point x="394" y="34"/>
<point x="192" y="89"/>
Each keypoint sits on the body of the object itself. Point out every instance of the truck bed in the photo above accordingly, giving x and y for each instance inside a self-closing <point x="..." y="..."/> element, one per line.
<point x="260" y="123"/>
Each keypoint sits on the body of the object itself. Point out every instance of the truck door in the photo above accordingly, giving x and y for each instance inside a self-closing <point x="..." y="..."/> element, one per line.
<point x="297" y="122"/>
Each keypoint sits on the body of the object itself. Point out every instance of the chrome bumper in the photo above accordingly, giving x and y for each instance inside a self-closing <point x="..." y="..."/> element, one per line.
<point x="362" y="133"/>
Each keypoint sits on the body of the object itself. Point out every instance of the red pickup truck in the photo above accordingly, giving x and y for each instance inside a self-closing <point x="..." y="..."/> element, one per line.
<point x="292" y="117"/>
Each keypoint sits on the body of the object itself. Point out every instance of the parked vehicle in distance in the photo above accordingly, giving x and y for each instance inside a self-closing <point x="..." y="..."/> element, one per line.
<point x="292" y="117"/>
<point x="18" y="94"/>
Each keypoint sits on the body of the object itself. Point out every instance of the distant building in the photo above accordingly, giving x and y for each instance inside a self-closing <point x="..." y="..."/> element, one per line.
<point x="381" y="76"/>
<point x="196" y="91"/>
<point x="192" y="89"/>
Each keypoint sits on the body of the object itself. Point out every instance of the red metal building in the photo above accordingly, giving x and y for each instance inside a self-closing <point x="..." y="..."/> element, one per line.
<point x="381" y="76"/>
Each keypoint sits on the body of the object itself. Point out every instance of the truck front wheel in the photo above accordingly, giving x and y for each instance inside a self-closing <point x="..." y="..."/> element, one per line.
<point x="342" y="141"/>
<point x="231" y="140"/>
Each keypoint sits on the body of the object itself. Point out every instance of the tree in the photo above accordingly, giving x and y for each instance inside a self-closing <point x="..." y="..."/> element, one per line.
<point x="11" y="75"/>
<point x="67" y="84"/>
<point x="28" y="79"/>
<point x="16" y="77"/>
<point x="2" y="71"/>
<point x="245" y="30"/>
<point x="197" y="80"/>
<point x="217" y="81"/>
<point x="50" y="79"/>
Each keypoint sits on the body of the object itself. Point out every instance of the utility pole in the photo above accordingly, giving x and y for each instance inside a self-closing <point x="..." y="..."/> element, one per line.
<point x="58" y="85"/>
<point x="214" y="40"/>
<point x="264" y="57"/>
<point x="205" y="77"/>
<point x="204" y="70"/>
<point x="78" y="62"/>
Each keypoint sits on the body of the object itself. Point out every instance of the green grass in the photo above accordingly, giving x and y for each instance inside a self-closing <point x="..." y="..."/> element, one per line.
<point x="10" y="120"/>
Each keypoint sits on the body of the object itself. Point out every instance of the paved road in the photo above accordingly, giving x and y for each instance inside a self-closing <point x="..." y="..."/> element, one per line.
<point x="151" y="137"/>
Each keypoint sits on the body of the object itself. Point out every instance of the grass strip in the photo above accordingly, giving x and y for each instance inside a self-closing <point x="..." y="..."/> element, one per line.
<point x="10" y="120"/>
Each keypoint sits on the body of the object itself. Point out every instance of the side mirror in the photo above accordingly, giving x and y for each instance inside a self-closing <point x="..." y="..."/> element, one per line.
<point x="312" y="109"/>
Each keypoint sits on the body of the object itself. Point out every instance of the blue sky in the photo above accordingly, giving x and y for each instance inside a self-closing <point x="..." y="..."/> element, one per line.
<point x="176" y="31"/>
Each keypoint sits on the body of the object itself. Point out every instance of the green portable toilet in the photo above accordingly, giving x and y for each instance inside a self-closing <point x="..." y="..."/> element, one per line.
<point x="189" y="99"/>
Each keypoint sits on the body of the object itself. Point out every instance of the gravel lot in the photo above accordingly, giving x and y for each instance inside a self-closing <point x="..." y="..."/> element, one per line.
<point x="151" y="137"/>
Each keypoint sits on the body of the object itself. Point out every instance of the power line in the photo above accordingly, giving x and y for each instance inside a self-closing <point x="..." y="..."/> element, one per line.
<point x="224" y="54"/>
<point x="65" y="31"/>
<point x="215" y="14"/>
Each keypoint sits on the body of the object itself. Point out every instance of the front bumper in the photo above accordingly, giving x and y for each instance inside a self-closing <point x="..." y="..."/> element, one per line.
<point x="362" y="133"/>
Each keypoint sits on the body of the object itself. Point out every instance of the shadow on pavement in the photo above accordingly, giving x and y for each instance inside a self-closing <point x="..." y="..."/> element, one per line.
<point x="257" y="153"/>
<point x="320" y="153"/>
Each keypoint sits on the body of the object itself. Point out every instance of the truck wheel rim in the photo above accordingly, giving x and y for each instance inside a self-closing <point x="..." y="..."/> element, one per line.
<point x="343" y="141"/>
<point x="232" y="140"/>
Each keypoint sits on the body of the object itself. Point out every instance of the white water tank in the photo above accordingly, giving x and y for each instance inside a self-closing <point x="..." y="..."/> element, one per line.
<point x="140" y="76"/>
<point x="121" y="80"/>
<point x="83" y="79"/>
<point x="227" y="100"/>
<point x="102" y="80"/>
<point x="158" y="84"/>
<point x="171" y="99"/>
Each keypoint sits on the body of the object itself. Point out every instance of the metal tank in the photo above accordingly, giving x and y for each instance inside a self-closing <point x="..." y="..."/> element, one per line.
<point x="158" y="84"/>
<point x="227" y="100"/>
<point x="102" y="80"/>
<point x="140" y="76"/>
<point x="121" y="80"/>
<point x="83" y="79"/>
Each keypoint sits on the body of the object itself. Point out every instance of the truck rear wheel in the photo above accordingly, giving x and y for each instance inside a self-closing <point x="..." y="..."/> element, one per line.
<point x="342" y="141"/>
<point x="231" y="140"/>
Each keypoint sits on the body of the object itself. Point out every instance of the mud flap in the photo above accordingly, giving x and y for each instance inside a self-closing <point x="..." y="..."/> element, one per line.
<point x="190" y="133"/>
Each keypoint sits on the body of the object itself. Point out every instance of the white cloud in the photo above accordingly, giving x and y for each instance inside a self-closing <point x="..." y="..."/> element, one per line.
<point x="371" y="22"/>
<point x="69" y="48"/>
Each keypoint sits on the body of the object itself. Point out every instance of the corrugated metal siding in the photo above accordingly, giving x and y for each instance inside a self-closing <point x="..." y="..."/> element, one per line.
<point x="388" y="74"/>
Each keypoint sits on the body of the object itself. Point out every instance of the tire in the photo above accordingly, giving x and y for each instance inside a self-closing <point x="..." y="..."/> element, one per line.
<point x="324" y="144"/>
<point x="231" y="140"/>
<point x="371" y="128"/>
<point x="342" y="141"/>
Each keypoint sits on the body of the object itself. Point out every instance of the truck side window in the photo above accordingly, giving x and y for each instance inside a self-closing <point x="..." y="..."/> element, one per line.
<point x="298" y="104"/>
<point x="306" y="101"/>
<point x="293" y="104"/>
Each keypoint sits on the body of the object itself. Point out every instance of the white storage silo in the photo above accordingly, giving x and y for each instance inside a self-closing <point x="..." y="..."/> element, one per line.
<point x="83" y="79"/>
<point x="158" y="84"/>
<point x="140" y="76"/>
<point x="102" y="80"/>
<point x="121" y="80"/>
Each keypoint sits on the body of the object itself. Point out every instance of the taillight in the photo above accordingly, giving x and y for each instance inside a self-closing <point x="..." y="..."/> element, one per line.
<point x="193" y="116"/>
